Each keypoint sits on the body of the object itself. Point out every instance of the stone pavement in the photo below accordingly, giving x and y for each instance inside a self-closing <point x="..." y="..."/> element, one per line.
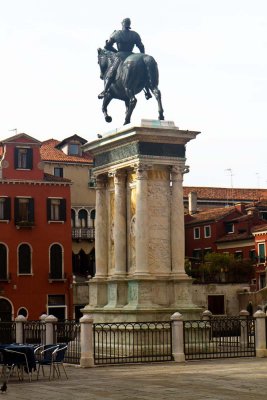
<point x="228" y="379"/>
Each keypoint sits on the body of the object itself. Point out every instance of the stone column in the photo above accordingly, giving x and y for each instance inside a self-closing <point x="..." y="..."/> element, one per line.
<point x="50" y="321"/>
<point x="87" y="341"/>
<point x="20" y="321"/>
<point x="244" y="314"/>
<point x="177" y="221"/>
<point x="120" y="233"/>
<point x="101" y="243"/>
<point x="141" y="226"/>
<point x="260" y="332"/>
<point x="177" y="337"/>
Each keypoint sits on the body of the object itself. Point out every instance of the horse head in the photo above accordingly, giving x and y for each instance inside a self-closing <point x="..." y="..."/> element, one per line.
<point x="105" y="58"/>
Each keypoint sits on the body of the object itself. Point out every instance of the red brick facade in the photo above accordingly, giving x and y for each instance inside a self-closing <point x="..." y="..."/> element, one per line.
<point x="35" y="235"/>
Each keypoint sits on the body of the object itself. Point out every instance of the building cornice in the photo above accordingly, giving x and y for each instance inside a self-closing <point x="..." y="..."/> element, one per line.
<point x="33" y="183"/>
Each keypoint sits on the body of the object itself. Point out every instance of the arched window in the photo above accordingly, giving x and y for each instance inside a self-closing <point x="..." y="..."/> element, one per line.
<point x="25" y="262"/>
<point x="82" y="215"/>
<point x="73" y="218"/>
<point x="3" y="262"/>
<point x="56" y="259"/>
<point x="92" y="216"/>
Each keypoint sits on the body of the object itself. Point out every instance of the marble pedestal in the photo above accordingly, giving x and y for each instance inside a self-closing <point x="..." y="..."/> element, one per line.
<point x="139" y="245"/>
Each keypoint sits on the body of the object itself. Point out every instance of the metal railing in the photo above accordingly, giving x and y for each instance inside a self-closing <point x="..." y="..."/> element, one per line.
<point x="7" y="332"/>
<point x="83" y="233"/>
<point x="132" y="342"/>
<point x="34" y="332"/>
<point x="69" y="332"/>
<point x="224" y="337"/>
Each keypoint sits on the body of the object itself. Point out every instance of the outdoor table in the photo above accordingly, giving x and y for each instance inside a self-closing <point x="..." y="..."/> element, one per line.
<point x="26" y="349"/>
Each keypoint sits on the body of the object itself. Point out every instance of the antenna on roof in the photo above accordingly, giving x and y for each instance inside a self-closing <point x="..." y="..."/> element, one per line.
<point x="12" y="130"/>
<point x="231" y="175"/>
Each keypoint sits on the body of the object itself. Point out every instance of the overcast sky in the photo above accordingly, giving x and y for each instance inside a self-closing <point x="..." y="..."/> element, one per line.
<point x="212" y="58"/>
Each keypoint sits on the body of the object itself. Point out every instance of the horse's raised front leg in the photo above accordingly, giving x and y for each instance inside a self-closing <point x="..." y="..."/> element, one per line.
<point x="130" y="105"/>
<point x="107" y="99"/>
<point x="157" y="94"/>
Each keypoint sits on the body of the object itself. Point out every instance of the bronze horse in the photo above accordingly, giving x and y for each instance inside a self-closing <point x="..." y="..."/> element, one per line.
<point x="134" y="73"/>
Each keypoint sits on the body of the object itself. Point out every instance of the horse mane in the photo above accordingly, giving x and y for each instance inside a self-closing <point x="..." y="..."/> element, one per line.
<point x="109" y="54"/>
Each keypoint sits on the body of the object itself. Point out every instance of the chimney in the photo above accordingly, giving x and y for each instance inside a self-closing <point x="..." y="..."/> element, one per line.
<point x="192" y="202"/>
<point x="240" y="207"/>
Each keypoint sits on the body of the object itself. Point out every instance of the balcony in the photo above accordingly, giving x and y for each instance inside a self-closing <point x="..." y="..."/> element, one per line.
<point x="24" y="224"/>
<point x="83" y="234"/>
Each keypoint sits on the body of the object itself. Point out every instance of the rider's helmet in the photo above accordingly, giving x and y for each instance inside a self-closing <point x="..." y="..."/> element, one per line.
<point x="126" y="23"/>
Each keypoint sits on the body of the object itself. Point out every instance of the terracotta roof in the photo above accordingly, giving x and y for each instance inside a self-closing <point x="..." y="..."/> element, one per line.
<point x="216" y="193"/>
<point x="49" y="152"/>
<point x="53" y="178"/>
<point x="210" y="214"/>
<point x="259" y="228"/>
<point x="231" y="237"/>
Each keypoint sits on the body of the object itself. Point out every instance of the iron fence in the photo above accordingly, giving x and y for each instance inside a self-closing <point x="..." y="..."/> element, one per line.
<point x="224" y="337"/>
<point x="69" y="332"/>
<point x="132" y="342"/>
<point x="34" y="332"/>
<point x="7" y="332"/>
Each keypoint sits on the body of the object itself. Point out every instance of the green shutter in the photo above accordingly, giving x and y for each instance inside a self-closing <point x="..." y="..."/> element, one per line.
<point x="48" y="208"/>
<point x="29" y="158"/>
<point x="31" y="210"/>
<point x="63" y="210"/>
<point x="16" y="156"/>
<point x="7" y="209"/>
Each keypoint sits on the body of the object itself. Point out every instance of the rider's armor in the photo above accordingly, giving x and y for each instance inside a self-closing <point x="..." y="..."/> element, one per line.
<point x="125" y="41"/>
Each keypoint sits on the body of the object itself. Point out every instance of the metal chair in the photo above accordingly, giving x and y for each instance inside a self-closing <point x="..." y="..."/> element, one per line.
<point x="14" y="359"/>
<point x="52" y="356"/>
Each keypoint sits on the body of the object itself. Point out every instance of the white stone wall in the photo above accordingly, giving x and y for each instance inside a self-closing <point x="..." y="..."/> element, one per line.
<point x="230" y="291"/>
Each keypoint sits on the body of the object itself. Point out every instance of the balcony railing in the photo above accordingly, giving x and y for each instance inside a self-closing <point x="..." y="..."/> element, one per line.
<point x="83" y="233"/>
<point x="24" y="224"/>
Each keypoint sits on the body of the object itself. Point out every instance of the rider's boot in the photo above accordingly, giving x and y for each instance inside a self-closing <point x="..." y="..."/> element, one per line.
<point x="107" y="86"/>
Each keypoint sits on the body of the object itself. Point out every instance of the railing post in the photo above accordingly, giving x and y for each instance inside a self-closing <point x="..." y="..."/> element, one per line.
<point x="244" y="314"/>
<point x="260" y="333"/>
<point x="206" y="315"/>
<point x="20" y="320"/>
<point x="87" y="341"/>
<point x="178" y="337"/>
<point x="49" y="329"/>
<point x="42" y="319"/>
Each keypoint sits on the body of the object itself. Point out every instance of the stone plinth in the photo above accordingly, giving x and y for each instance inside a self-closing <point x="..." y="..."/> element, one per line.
<point x="140" y="224"/>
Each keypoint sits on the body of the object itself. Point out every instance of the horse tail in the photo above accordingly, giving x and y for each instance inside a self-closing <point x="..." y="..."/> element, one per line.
<point x="152" y="71"/>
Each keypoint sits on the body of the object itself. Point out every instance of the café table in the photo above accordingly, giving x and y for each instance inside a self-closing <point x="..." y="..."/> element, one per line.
<point x="20" y="356"/>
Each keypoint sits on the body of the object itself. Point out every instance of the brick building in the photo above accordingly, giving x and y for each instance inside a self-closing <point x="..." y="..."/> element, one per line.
<point x="35" y="234"/>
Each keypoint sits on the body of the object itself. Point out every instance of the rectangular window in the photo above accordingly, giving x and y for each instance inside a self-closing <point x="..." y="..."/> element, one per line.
<point x="58" y="171"/>
<point x="23" y="158"/>
<point x="24" y="210"/>
<point x="229" y="227"/>
<point x="196" y="233"/>
<point x="252" y="254"/>
<point x="197" y="254"/>
<point x="5" y="213"/>
<point x="238" y="255"/>
<point x="57" y="307"/>
<point x="216" y="304"/>
<point x="73" y="149"/>
<point x="207" y="231"/>
<point x="261" y="252"/>
<point x="56" y="209"/>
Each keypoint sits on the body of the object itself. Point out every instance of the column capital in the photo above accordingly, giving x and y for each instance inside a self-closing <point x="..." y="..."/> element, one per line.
<point x="177" y="172"/>
<point x="101" y="181"/>
<point x="119" y="176"/>
<point x="141" y="170"/>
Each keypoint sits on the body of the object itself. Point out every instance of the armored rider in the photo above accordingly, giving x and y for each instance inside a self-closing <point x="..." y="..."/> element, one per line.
<point x="125" y="40"/>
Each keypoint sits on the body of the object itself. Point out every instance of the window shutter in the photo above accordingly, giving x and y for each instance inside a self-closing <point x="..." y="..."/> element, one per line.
<point x="31" y="210"/>
<point x="16" y="157"/>
<point x="29" y="158"/>
<point x="16" y="209"/>
<point x="48" y="208"/>
<point x="7" y="209"/>
<point x="62" y="210"/>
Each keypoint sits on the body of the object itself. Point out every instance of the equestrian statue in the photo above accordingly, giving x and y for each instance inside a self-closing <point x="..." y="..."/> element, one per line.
<point x="125" y="73"/>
